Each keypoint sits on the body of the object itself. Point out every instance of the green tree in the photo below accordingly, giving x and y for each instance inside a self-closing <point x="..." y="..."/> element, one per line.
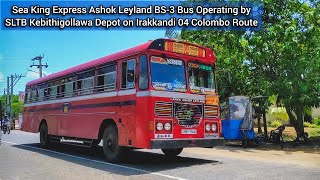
<point x="281" y="59"/>
<point x="17" y="108"/>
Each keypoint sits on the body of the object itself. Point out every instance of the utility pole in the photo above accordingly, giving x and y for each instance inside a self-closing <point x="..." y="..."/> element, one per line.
<point x="40" y="65"/>
<point x="7" y="97"/>
<point x="10" y="85"/>
<point x="11" y="95"/>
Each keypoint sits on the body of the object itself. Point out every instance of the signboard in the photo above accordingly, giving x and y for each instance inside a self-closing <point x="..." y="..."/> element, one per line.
<point x="212" y="100"/>
<point x="186" y="49"/>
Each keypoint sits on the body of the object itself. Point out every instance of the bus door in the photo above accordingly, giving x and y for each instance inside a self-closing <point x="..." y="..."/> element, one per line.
<point x="127" y="99"/>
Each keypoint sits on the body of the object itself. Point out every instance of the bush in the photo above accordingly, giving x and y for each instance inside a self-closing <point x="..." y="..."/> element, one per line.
<point x="275" y="123"/>
<point x="315" y="132"/>
<point x="316" y="121"/>
<point x="309" y="125"/>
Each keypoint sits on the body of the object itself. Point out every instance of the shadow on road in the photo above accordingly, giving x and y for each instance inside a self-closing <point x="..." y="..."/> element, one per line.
<point x="145" y="161"/>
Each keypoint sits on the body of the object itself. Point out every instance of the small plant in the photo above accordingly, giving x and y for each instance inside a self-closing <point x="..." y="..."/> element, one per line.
<point x="316" y="121"/>
<point x="309" y="125"/>
<point x="275" y="123"/>
<point x="314" y="133"/>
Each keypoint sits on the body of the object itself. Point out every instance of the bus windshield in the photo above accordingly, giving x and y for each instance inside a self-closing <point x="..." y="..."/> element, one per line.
<point x="201" y="78"/>
<point x="168" y="74"/>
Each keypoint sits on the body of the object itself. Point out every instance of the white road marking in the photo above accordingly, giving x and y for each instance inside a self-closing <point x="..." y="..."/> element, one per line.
<point x="106" y="163"/>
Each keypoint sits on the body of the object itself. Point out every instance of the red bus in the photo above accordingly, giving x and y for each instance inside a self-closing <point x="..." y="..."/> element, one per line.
<point x="158" y="95"/>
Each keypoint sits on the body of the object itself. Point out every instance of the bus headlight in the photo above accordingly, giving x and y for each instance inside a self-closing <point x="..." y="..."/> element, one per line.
<point x="207" y="127"/>
<point x="159" y="126"/>
<point x="214" y="127"/>
<point x="167" y="126"/>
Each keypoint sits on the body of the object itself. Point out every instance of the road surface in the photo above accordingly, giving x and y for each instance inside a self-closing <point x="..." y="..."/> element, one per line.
<point x="21" y="158"/>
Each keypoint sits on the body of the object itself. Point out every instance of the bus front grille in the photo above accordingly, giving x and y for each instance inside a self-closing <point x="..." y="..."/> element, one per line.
<point x="210" y="111"/>
<point x="163" y="109"/>
<point x="188" y="114"/>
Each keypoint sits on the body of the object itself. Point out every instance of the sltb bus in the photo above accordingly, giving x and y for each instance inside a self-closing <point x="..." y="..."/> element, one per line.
<point x="158" y="95"/>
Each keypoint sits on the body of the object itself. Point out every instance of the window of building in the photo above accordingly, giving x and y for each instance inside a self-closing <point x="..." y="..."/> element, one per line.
<point x="128" y="74"/>
<point x="107" y="78"/>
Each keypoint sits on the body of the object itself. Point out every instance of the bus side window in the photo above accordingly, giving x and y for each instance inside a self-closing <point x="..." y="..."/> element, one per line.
<point x="27" y="96"/>
<point x="85" y="83"/>
<point x="68" y="89"/>
<point x="63" y="90"/>
<point x="128" y="74"/>
<point x="58" y="92"/>
<point x="79" y="86"/>
<point x="45" y="93"/>
<point x="41" y="93"/>
<point x="143" y="74"/>
<point x="53" y="92"/>
<point x="34" y="94"/>
<point x="107" y="78"/>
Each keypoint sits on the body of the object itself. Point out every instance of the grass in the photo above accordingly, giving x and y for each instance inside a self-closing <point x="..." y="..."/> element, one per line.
<point x="290" y="133"/>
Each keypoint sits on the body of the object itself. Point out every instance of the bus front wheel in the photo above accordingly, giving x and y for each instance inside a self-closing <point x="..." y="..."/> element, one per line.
<point x="44" y="137"/>
<point x="111" y="148"/>
<point x="172" y="152"/>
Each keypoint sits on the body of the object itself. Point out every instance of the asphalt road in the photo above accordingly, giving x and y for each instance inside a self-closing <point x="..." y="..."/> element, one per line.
<point x="21" y="158"/>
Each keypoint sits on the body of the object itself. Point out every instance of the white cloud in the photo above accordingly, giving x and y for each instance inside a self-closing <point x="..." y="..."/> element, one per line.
<point x="34" y="73"/>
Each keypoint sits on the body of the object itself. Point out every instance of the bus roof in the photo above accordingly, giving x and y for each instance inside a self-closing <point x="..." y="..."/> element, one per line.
<point x="105" y="59"/>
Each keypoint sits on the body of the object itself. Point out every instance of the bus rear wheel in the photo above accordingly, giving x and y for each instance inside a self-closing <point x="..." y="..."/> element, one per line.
<point x="172" y="152"/>
<point x="44" y="137"/>
<point x="111" y="148"/>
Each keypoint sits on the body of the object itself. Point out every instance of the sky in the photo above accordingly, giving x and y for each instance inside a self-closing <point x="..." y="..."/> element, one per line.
<point x="61" y="50"/>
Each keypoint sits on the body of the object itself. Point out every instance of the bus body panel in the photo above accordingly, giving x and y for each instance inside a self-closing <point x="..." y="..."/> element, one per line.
<point x="132" y="110"/>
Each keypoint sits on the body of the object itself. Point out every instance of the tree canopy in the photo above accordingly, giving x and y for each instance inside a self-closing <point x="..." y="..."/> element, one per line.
<point x="282" y="59"/>
<point x="16" y="105"/>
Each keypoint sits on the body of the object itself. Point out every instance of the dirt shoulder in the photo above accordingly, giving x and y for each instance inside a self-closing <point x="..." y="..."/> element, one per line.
<point x="300" y="156"/>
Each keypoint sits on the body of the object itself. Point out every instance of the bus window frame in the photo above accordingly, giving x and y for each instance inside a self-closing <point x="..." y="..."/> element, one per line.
<point x="200" y="62"/>
<point x="104" y="87"/>
<point x="41" y="87"/>
<point x="148" y="71"/>
<point x="134" y="75"/>
<point x="78" y="91"/>
<point x="27" y="95"/>
<point x="166" y="56"/>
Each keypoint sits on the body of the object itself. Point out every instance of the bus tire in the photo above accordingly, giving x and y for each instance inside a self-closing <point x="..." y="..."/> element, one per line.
<point x="44" y="136"/>
<point x="111" y="149"/>
<point x="172" y="152"/>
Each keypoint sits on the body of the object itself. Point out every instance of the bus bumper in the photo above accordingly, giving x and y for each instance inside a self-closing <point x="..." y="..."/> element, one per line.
<point x="182" y="143"/>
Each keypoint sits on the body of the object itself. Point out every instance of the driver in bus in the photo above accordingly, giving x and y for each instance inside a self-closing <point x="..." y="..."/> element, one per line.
<point x="201" y="79"/>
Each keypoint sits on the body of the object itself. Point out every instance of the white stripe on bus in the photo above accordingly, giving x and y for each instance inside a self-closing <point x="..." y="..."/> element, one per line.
<point x="86" y="97"/>
<point x="122" y="93"/>
<point x="170" y="95"/>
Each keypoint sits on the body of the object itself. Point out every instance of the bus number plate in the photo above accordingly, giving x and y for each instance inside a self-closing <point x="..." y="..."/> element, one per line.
<point x="188" y="131"/>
